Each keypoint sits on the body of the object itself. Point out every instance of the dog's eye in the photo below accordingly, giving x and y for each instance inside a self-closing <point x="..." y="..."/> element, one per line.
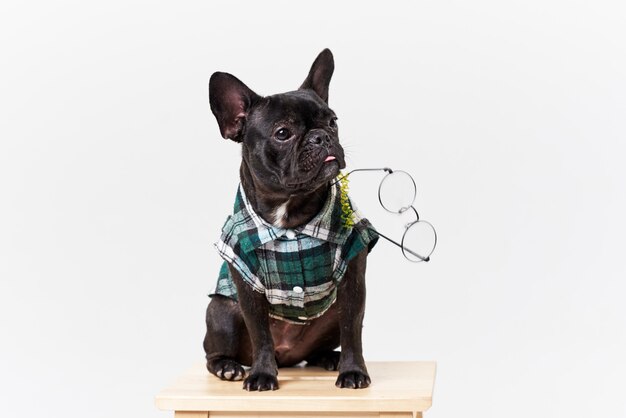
<point x="282" y="134"/>
<point x="333" y="123"/>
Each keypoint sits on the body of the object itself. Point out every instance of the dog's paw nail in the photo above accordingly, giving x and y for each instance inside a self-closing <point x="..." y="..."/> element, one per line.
<point x="236" y="373"/>
<point x="353" y="380"/>
<point x="227" y="369"/>
<point x="260" y="382"/>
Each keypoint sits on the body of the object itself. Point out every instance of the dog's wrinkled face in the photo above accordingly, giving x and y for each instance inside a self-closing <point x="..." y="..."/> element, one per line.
<point x="289" y="141"/>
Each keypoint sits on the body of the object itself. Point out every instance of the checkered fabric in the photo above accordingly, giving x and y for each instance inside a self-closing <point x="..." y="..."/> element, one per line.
<point x="297" y="270"/>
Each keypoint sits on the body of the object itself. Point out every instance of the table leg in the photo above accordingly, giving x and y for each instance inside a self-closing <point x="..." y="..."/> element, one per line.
<point x="191" y="414"/>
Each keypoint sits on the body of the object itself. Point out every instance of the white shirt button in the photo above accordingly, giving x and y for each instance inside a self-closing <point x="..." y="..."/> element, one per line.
<point x="298" y="289"/>
<point x="290" y="234"/>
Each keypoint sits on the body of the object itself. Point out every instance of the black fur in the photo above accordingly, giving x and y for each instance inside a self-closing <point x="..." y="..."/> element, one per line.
<point x="286" y="139"/>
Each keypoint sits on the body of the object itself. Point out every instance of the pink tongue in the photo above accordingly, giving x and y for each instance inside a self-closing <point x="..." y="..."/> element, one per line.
<point x="329" y="158"/>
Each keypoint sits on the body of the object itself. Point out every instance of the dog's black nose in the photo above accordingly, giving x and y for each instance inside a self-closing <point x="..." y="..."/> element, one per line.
<point x="317" y="137"/>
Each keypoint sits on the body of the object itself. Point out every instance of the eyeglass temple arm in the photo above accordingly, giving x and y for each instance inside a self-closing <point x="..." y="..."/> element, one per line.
<point x="387" y="169"/>
<point x="405" y="249"/>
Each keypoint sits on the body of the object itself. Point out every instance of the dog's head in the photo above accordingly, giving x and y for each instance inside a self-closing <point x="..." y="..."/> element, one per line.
<point x="289" y="141"/>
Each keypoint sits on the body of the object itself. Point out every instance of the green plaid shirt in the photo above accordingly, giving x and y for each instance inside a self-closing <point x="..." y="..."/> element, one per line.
<point x="298" y="270"/>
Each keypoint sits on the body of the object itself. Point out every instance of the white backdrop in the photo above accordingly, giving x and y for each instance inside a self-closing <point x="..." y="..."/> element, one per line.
<point x="114" y="182"/>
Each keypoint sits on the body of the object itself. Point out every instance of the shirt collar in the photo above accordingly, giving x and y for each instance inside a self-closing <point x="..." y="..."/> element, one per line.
<point x="327" y="225"/>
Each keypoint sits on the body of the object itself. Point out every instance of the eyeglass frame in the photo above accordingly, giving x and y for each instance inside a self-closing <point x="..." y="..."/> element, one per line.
<point x="400" y="212"/>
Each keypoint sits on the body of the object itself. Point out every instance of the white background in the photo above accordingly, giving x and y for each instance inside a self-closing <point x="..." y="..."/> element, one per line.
<point x="114" y="181"/>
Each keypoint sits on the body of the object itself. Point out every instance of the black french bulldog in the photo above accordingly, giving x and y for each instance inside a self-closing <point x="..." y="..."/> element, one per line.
<point x="291" y="154"/>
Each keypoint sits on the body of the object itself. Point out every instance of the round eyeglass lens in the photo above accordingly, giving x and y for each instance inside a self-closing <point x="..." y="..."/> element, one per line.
<point x="397" y="192"/>
<point x="419" y="241"/>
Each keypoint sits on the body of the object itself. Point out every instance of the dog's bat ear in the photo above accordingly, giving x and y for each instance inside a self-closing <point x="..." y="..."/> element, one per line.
<point x="320" y="74"/>
<point x="230" y="102"/>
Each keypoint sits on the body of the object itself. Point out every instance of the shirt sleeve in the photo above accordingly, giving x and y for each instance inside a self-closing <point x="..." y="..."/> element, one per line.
<point x="230" y="249"/>
<point x="363" y="236"/>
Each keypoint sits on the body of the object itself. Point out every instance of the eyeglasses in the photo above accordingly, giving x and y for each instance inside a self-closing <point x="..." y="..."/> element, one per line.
<point x="396" y="193"/>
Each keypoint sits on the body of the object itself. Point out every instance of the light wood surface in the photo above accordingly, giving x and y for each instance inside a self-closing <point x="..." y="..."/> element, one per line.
<point x="307" y="415"/>
<point x="398" y="390"/>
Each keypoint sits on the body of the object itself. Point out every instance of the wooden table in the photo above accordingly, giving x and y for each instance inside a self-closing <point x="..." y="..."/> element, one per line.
<point x="398" y="390"/>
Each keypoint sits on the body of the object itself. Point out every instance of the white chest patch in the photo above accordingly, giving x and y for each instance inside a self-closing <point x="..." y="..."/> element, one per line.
<point x="280" y="215"/>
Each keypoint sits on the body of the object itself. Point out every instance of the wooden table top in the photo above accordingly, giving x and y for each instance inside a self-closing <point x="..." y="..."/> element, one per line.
<point x="396" y="386"/>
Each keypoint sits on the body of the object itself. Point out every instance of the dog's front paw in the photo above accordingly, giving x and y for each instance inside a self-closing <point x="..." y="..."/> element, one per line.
<point x="226" y="369"/>
<point x="353" y="379"/>
<point x="260" y="382"/>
